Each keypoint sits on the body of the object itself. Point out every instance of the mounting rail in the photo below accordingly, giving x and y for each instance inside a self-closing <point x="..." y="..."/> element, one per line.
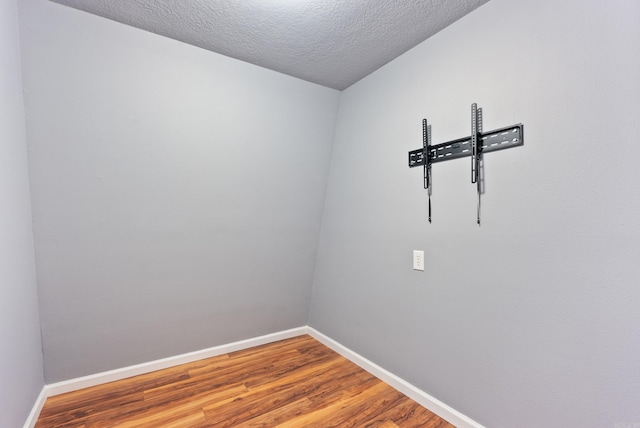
<point x="475" y="145"/>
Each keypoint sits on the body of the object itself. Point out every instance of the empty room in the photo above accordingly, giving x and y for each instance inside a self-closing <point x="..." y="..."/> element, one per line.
<point x="256" y="213"/>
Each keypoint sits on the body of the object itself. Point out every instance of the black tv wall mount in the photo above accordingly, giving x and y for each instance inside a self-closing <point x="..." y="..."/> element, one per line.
<point x="475" y="146"/>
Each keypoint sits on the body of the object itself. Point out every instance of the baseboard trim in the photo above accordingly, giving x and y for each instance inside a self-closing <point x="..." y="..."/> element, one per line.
<point x="436" y="406"/>
<point x="35" y="410"/>
<point x="138" y="369"/>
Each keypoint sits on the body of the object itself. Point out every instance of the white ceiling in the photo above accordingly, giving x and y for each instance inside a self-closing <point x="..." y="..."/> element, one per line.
<point x="333" y="43"/>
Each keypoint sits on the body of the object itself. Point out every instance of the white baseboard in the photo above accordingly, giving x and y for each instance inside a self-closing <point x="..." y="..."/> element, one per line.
<point x="424" y="399"/>
<point x="436" y="406"/>
<point x="35" y="411"/>
<point x="138" y="369"/>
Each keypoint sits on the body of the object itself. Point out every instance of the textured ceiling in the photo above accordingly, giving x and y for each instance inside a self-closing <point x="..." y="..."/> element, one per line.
<point x="333" y="43"/>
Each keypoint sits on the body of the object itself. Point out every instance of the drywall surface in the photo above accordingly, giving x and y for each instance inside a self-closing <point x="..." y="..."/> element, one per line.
<point x="21" y="377"/>
<point x="177" y="193"/>
<point x="532" y="319"/>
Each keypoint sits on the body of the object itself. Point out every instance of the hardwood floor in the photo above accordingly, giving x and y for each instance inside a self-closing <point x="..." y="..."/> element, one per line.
<point x="292" y="383"/>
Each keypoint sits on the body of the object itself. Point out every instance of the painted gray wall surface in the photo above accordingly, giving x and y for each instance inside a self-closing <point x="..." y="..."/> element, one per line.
<point x="21" y="376"/>
<point x="177" y="193"/>
<point x="531" y="320"/>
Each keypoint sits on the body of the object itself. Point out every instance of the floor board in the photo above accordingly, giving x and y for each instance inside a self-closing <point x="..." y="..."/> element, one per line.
<point x="296" y="382"/>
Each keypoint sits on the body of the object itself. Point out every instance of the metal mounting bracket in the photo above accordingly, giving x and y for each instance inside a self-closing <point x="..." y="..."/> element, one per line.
<point x="475" y="146"/>
<point x="498" y="139"/>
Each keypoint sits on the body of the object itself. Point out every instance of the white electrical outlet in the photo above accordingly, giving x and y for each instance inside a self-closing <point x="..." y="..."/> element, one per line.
<point x="418" y="260"/>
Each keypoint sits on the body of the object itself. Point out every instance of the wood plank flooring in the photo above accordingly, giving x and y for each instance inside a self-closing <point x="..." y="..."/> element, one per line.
<point x="296" y="382"/>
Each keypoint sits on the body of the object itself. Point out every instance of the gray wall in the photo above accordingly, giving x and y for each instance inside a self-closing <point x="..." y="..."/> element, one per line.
<point x="21" y="377"/>
<point x="532" y="319"/>
<point x="177" y="194"/>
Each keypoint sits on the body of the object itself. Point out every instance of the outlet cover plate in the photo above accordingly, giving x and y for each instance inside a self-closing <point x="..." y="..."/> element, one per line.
<point x="418" y="260"/>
